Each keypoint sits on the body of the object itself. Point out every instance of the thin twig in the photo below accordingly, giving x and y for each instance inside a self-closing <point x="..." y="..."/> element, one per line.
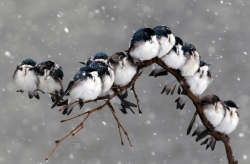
<point x="73" y="134"/>
<point x="68" y="105"/>
<point x="119" y="124"/>
<point x="220" y="137"/>
<point x="136" y="97"/>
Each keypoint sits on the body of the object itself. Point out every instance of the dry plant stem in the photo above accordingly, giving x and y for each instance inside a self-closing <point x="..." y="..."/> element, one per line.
<point x="119" y="125"/>
<point x="79" y="126"/>
<point x="133" y="88"/>
<point x="112" y="110"/>
<point x="98" y="98"/>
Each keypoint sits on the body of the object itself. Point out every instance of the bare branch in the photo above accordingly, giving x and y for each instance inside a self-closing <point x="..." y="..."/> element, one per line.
<point x="218" y="136"/>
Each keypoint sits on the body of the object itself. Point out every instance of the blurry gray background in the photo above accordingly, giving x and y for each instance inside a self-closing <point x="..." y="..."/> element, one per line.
<point x="69" y="31"/>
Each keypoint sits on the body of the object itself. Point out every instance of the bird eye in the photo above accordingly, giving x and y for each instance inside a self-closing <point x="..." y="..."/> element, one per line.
<point x="199" y="70"/>
<point x="158" y="37"/>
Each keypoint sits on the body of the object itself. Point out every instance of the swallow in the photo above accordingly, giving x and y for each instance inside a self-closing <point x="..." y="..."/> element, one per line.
<point x="214" y="109"/>
<point x="165" y="38"/>
<point x="197" y="83"/>
<point x="227" y="125"/>
<point x="85" y="85"/>
<point x="26" y="78"/>
<point x="123" y="67"/>
<point x="50" y="78"/>
<point x="144" y="45"/>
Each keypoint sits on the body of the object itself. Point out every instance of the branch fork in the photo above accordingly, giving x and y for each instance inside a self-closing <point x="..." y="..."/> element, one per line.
<point x="140" y="65"/>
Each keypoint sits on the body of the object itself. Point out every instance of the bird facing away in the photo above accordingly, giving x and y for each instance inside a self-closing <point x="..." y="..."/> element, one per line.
<point x="175" y="59"/>
<point x="165" y="38"/>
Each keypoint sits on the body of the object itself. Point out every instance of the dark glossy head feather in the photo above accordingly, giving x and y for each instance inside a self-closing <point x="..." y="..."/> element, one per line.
<point x="162" y="31"/>
<point x="28" y="62"/>
<point x="230" y="103"/>
<point x="83" y="72"/>
<point x="188" y="48"/>
<point x="100" y="67"/>
<point x="178" y="41"/>
<point x="202" y="63"/>
<point x="101" y="55"/>
<point x="58" y="73"/>
<point x="142" y="34"/>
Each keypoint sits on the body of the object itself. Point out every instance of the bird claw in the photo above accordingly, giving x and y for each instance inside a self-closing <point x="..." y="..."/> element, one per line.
<point x="20" y="91"/>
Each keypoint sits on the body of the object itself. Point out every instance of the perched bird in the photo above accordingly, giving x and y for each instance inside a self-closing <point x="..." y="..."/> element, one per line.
<point x="85" y="85"/>
<point x="175" y="59"/>
<point x="197" y="83"/>
<point x="189" y="68"/>
<point x="144" y="45"/>
<point x="120" y="100"/>
<point x="227" y="125"/>
<point x="215" y="111"/>
<point x="50" y="77"/>
<point x="25" y="77"/>
<point x="106" y="73"/>
<point x="101" y="61"/>
<point x="165" y="38"/>
<point x="193" y="60"/>
<point x="123" y="67"/>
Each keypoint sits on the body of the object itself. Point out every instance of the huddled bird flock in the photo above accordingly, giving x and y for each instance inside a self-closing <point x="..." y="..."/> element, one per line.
<point x="103" y="76"/>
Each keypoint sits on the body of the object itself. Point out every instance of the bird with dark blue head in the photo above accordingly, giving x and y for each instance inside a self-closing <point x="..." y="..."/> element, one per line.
<point x="85" y="85"/>
<point x="175" y="59"/>
<point x="26" y="78"/>
<point x="166" y="39"/>
<point x="144" y="45"/>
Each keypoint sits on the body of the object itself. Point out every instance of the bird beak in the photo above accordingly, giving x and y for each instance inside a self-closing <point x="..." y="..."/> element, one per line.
<point x="83" y="63"/>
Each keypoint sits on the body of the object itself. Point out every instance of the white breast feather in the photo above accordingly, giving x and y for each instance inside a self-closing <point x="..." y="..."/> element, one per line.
<point x="191" y="66"/>
<point x="147" y="50"/>
<point x="234" y="120"/>
<point x="47" y="83"/>
<point x="166" y="45"/>
<point x="88" y="89"/>
<point x="26" y="82"/>
<point x="173" y="60"/>
<point x="215" y="116"/>
<point x="108" y="81"/>
<point x="124" y="73"/>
